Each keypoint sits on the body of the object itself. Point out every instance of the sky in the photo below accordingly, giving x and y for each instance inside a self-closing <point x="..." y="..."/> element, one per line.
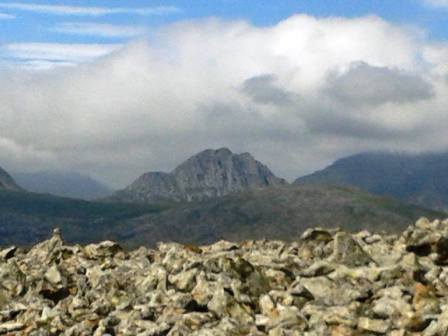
<point x="114" y="89"/>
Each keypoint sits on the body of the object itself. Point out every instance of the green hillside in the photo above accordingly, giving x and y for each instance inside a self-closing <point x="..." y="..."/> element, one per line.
<point x="26" y="218"/>
<point x="272" y="213"/>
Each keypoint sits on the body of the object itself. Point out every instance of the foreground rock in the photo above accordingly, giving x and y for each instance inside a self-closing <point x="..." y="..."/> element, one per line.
<point x="328" y="282"/>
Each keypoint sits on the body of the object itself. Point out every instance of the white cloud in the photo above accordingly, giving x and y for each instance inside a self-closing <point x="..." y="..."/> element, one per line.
<point x="88" y="11"/>
<point x="436" y="3"/>
<point x="198" y="84"/>
<point x="4" y="16"/>
<point x="56" y="53"/>
<point x="99" y="29"/>
<point x="16" y="155"/>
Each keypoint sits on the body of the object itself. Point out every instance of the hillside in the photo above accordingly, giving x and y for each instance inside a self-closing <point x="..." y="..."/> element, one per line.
<point x="272" y="213"/>
<point x="7" y="182"/>
<point x="26" y="218"/>
<point x="418" y="179"/>
<point x="64" y="184"/>
<point x="208" y="174"/>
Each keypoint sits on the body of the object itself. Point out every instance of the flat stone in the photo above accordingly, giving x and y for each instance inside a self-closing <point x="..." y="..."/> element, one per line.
<point x="376" y="326"/>
<point x="10" y="327"/>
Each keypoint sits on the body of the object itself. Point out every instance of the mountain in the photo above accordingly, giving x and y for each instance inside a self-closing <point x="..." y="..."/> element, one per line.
<point x="208" y="174"/>
<point x="7" y="182"/>
<point x="271" y="213"/>
<point x="274" y="213"/>
<point x="419" y="179"/>
<point x="65" y="184"/>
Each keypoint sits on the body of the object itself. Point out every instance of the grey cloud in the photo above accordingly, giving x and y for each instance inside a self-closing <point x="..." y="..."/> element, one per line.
<point x="264" y="90"/>
<point x="346" y="126"/>
<point x="364" y="84"/>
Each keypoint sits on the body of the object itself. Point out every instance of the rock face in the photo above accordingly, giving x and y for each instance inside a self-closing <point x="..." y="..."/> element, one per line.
<point x="7" y="182"/>
<point x="209" y="174"/>
<point x="328" y="282"/>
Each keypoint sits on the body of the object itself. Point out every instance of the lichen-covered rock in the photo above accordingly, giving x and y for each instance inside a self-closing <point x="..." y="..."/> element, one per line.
<point x="348" y="252"/>
<point x="329" y="282"/>
<point x="376" y="326"/>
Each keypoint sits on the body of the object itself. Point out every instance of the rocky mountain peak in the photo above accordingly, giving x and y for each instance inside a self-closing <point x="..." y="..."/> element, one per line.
<point x="210" y="173"/>
<point x="7" y="182"/>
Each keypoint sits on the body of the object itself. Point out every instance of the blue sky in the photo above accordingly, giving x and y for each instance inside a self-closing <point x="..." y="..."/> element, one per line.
<point x="39" y="25"/>
<point x="27" y="28"/>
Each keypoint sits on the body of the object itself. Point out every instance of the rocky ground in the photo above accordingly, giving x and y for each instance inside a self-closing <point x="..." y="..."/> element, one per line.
<point x="326" y="283"/>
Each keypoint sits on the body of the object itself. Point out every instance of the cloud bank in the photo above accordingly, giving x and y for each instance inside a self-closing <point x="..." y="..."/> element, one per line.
<point x="297" y="95"/>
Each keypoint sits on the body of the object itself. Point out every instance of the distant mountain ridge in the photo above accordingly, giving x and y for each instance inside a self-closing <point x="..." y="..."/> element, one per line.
<point x="208" y="174"/>
<point x="252" y="204"/>
<point x="64" y="184"/>
<point x="420" y="179"/>
<point x="7" y="182"/>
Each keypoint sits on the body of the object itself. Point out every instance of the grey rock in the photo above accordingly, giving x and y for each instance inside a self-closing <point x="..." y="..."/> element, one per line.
<point x="376" y="326"/>
<point x="330" y="293"/>
<point x="208" y="174"/>
<point x="348" y="287"/>
<point x="348" y="252"/>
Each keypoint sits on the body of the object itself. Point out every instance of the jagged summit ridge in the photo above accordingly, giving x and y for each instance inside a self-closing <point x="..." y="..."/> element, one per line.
<point x="7" y="182"/>
<point x="210" y="173"/>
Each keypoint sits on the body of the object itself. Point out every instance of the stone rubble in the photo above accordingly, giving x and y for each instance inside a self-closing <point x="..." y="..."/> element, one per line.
<point x="328" y="282"/>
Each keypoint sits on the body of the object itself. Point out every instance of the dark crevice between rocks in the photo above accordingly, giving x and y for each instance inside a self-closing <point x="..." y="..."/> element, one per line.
<point x="161" y="333"/>
<point x="420" y="250"/>
<point x="419" y="325"/>
<point x="262" y="329"/>
<point x="110" y="331"/>
<point x="368" y="297"/>
<point x="441" y="249"/>
<point x="194" y="306"/>
<point x="55" y="295"/>
<point x="419" y="276"/>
